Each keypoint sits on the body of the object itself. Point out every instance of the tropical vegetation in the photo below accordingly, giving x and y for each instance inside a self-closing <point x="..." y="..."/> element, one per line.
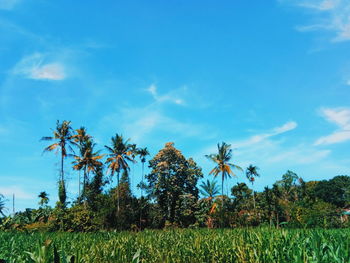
<point x="174" y="195"/>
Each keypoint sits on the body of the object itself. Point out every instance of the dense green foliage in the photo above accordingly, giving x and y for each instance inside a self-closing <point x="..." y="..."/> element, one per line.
<point x="170" y="196"/>
<point x="205" y="245"/>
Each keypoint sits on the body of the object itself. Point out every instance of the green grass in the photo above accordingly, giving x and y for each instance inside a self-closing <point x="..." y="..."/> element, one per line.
<point x="203" y="245"/>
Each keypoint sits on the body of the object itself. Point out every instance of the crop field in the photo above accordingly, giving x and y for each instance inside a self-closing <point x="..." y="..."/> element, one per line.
<point x="203" y="245"/>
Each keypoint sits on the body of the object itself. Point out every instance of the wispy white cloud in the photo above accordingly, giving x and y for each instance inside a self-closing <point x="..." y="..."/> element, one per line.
<point x="8" y="4"/>
<point x="36" y="67"/>
<point x="330" y="15"/>
<point x="8" y="191"/>
<point x="288" y="126"/>
<point x="339" y="117"/>
<point x="170" y="97"/>
<point x="150" y="121"/>
<point x="322" y="5"/>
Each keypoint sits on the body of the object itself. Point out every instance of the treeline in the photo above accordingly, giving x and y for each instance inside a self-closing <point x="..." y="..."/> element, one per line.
<point x="170" y="195"/>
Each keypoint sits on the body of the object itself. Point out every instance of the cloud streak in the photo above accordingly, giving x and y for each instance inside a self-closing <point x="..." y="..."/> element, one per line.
<point x="35" y="67"/>
<point x="341" y="118"/>
<point x="17" y="191"/>
<point x="147" y="122"/>
<point x="330" y="15"/>
<point x="170" y="97"/>
<point x="288" y="126"/>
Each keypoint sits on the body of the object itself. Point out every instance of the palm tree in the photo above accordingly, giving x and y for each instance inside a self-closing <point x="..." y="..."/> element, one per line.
<point x="80" y="138"/>
<point x="88" y="161"/>
<point x="44" y="198"/>
<point x="134" y="151"/>
<point x="143" y="153"/>
<point x="223" y="167"/>
<point x="2" y="205"/>
<point x="251" y="173"/>
<point x="118" y="158"/>
<point x="63" y="137"/>
<point x="209" y="189"/>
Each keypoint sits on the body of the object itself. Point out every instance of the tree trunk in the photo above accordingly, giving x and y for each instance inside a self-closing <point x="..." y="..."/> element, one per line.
<point x="254" y="199"/>
<point x="62" y="173"/>
<point x="141" y="205"/>
<point x="118" y="207"/>
<point x="79" y="184"/>
<point x="84" y="183"/>
<point x="222" y="193"/>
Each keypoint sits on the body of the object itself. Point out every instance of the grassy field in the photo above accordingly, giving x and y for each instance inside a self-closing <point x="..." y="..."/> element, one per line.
<point x="237" y="245"/>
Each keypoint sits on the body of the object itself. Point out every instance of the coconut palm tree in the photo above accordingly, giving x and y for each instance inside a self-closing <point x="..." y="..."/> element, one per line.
<point x="223" y="167"/>
<point x="251" y="173"/>
<point x="88" y="161"/>
<point x="134" y="151"/>
<point x="209" y="189"/>
<point x="63" y="137"/>
<point x="118" y="157"/>
<point x="44" y="198"/>
<point x="80" y="139"/>
<point x="2" y="205"/>
<point x="143" y="153"/>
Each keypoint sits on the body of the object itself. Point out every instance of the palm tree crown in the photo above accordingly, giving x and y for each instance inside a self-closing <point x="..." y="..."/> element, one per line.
<point x="209" y="189"/>
<point x="88" y="161"/>
<point x="2" y="205"/>
<point x="119" y="154"/>
<point x="252" y="172"/>
<point x="44" y="198"/>
<point x="143" y="152"/>
<point x="223" y="167"/>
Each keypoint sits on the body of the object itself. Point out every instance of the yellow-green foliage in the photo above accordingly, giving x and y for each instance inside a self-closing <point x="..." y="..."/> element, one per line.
<point x="180" y="245"/>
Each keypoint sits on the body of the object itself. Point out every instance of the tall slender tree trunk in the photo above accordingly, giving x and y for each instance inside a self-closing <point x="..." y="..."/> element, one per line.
<point x="222" y="192"/>
<point x="79" y="185"/>
<point x="84" y="183"/>
<point x="141" y="200"/>
<point x="253" y="197"/>
<point x="222" y="188"/>
<point x="118" y="207"/>
<point x="62" y="173"/>
<point x="143" y="171"/>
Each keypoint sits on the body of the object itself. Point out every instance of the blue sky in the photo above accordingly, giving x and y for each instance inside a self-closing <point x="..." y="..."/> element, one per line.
<point x="272" y="78"/>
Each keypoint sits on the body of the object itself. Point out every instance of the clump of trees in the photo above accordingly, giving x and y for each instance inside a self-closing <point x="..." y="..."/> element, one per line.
<point x="169" y="192"/>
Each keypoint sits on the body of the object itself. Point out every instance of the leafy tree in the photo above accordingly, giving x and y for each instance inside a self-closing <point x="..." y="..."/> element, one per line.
<point x="172" y="176"/>
<point x="209" y="189"/>
<point x="335" y="191"/>
<point x="118" y="158"/>
<point x="288" y="186"/>
<point x="241" y="192"/>
<point x="251" y="173"/>
<point x="94" y="189"/>
<point x="223" y="166"/>
<point x="63" y="137"/>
